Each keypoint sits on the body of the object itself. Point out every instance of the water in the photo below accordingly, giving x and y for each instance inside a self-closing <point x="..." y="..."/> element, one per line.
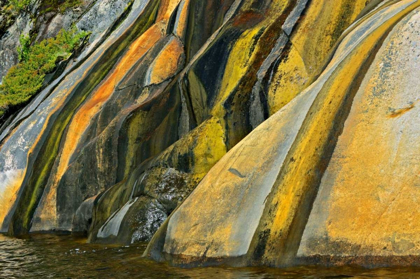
<point x="53" y="256"/>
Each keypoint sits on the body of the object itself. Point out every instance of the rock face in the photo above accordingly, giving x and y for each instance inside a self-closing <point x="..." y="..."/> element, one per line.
<point x="37" y="24"/>
<point x="10" y="41"/>
<point x="225" y="105"/>
<point x="375" y="162"/>
<point x="296" y="120"/>
<point x="331" y="178"/>
<point x="97" y="17"/>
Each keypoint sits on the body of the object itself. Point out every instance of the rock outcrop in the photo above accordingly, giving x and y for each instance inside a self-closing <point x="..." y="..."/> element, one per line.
<point x="331" y="178"/>
<point x="42" y="21"/>
<point x="144" y="112"/>
<point x="225" y="105"/>
<point x="295" y="118"/>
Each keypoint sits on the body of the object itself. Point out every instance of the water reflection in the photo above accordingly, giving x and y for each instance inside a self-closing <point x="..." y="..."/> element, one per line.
<point x="53" y="256"/>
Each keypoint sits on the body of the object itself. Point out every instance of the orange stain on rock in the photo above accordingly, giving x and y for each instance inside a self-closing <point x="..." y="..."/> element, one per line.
<point x="368" y="200"/>
<point x="82" y="118"/>
<point x="399" y="112"/>
<point x="167" y="63"/>
<point x="181" y="23"/>
<point x="8" y="197"/>
<point x="92" y="106"/>
<point x="166" y="9"/>
<point x="248" y="19"/>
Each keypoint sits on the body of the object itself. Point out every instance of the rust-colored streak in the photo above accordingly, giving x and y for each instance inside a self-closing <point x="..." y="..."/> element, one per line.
<point x="83" y="116"/>
<point x="166" y="9"/>
<point x="400" y="112"/>
<point x="8" y="198"/>
<point x="248" y="19"/>
<point x="167" y="62"/>
<point x="92" y="106"/>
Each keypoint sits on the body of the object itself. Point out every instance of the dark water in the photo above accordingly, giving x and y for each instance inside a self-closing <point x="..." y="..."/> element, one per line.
<point x="52" y="256"/>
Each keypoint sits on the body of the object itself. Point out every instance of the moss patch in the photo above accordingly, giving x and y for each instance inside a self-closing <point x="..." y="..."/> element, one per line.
<point x="25" y="79"/>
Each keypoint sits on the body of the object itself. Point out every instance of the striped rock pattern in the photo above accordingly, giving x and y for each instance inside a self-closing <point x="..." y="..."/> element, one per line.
<point x="258" y="132"/>
<point x="332" y="177"/>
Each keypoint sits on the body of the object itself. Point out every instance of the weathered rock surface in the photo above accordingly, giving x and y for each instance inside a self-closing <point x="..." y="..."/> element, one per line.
<point x="331" y="178"/>
<point x="169" y="91"/>
<point x="93" y="16"/>
<point x="50" y="113"/>
<point x="367" y="200"/>
<point x="295" y="118"/>
<point x="217" y="106"/>
<point x="10" y="41"/>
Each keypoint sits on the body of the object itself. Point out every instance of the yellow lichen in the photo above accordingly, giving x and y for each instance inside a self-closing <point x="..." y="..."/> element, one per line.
<point x="210" y="147"/>
<point x="290" y="79"/>
<point x="307" y="153"/>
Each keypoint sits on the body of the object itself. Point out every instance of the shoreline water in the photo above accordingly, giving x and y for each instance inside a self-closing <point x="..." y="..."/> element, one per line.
<point x="69" y="256"/>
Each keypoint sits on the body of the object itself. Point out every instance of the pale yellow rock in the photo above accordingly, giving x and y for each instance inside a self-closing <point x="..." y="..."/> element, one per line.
<point x="368" y="203"/>
<point x="312" y="42"/>
<point x="252" y="207"/>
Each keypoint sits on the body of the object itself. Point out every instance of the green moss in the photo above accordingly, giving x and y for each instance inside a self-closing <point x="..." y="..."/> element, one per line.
<point x="25" y="48"/>
<point x="19" y="5"/>
<point x="25" y="79"/>
<point x="58" y="6"/>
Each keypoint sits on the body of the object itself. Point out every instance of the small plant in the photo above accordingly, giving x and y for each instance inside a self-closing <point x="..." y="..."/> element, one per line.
<point x="25" y="79"/>
<point x="19" y="5"/>
<point x="58" y="6"/>
<point x="24" y="48"/>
